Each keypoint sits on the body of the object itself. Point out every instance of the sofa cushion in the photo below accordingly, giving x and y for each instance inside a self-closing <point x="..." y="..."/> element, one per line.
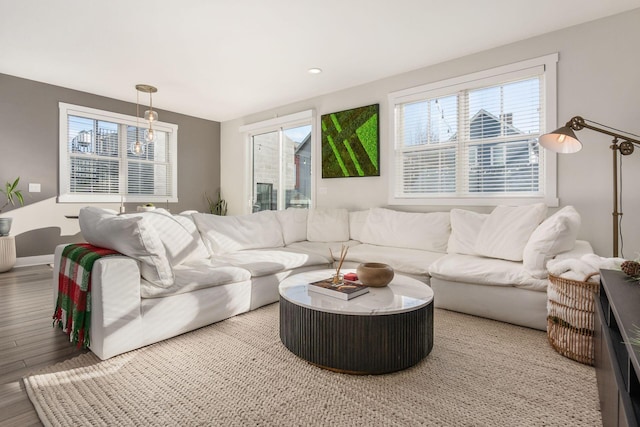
<point x="356" y="223"/>
<point x="425" y="231"/>
<point x="261" y="262"/>
<point x="402" y="260"/>
<point x="197" y="274"/>
<point x="484" y="271"/>
<point x="324" y="249"/>
<point x="225" y="234"/>
<point x="465" y="227"/>
<point x="328" y="225"/>
<point x="507" y="229"/>
<point x="294" y="224"/>
<point x="132" y="236"/>
<point x="178" y="234"/>
<point x="187" y="222"/>
<point x="556" y="234"/>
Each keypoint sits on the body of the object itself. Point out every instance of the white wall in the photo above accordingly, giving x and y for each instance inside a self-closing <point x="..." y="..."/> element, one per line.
<point x="597" y="79"/>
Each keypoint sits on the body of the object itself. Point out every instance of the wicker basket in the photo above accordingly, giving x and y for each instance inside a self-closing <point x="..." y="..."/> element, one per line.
<point x="570" y="319"/>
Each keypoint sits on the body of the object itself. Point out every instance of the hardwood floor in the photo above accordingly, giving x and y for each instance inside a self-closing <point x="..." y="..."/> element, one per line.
<point x="27" y="339"/>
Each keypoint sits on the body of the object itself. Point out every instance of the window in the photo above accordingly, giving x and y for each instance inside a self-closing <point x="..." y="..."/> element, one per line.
<point x="474" y="139"/>
<point x="280" y="162"/>
<point x="96" y="164"/>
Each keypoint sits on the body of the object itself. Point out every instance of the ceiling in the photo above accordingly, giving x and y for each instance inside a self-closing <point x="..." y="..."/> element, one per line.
<point x="224" y="59"/>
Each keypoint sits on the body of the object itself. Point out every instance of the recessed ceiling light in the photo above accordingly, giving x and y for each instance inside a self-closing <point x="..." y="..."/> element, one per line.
<point x="315" y="70"/>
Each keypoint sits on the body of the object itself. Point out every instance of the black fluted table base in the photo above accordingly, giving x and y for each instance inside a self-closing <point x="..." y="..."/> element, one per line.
<point x="357" y="344"/>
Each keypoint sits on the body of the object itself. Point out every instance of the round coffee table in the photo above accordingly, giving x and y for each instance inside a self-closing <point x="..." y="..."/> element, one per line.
<point x="385" y="330"/>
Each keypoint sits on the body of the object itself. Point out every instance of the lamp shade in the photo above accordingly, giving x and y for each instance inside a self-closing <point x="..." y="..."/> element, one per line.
<point x="137" y="148"/>
<point x="149" y="135"/>
<point x="151" y="115"/>
<point x="561" y="140"/>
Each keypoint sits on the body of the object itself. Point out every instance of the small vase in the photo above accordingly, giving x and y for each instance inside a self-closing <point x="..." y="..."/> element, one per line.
<point x="5" y="226"/>
<point x="375" y="274"/>
<point x="337" y="279"/>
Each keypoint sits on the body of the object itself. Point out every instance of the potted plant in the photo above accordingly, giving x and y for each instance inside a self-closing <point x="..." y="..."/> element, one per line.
<point x="217" y="207"/>
<point x="12" y="195"/>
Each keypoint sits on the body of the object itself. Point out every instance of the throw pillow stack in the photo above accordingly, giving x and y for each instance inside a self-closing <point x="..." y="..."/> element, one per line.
<point x="515" y="233"/>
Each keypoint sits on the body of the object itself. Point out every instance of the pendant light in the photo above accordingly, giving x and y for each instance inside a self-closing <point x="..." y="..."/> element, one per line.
<point x="150" y="116"/>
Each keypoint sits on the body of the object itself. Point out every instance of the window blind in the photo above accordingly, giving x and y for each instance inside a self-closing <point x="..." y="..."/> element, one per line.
<point x="97" y="163"/>
<point x="500" y="143"/>
<point x="94" y="151"/>
<point x="476" y="141"/>
<point x="149" y="173"/>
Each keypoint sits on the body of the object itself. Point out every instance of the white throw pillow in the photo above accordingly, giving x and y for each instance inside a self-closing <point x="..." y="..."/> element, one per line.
<point x="224" y="234"/>
<point x="465" y="227"/>
<point x="294" y="224"/>
<point x="426" y="231"/>
<point x="507" y="229"/>
<point x="178" y="234"/>
<point x="556" y="234"/>
<point x="357" y="220"/>
<point x="328" y="225"/>
<point x="132" y="236"/>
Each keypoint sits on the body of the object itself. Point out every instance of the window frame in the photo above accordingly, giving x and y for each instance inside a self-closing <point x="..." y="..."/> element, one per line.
<point x="302" y="118"/>
<point x="546" y="66"/>
<point x="64" y="196"/>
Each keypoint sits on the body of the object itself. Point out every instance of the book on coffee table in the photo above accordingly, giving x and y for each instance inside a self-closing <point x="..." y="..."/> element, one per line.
<point x="345" y="291"/>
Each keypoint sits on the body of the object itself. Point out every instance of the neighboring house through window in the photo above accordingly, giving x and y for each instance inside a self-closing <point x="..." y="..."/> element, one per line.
<point x="97" y="163"/>
<point x="280" y="151"/>
<point x="474" y="139"/>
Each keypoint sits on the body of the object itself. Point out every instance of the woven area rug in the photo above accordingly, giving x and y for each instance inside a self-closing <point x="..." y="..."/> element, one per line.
<point x="237" y="372"/>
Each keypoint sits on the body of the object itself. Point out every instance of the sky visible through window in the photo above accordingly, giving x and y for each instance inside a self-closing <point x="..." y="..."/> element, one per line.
<point x="511" y="98"/>
<point x="298" y="134"/>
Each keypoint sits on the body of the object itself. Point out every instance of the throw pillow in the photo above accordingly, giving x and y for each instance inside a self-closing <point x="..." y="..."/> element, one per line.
<point x="328" y="225"/>
<point x="132" y="236"/>
<point x="507" y="229"/>
<point x="178" y="234"/>
<point x="294" y="224"/>
<point x="555" y="235"/>
<point x="426" y="231"/>
<point x="224" y="234"/>
<point x="357" y="219"/>
<point x="465" y="227"/>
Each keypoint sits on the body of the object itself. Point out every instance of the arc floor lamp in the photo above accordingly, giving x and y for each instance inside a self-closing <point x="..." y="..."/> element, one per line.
<point x="564" y="140"/>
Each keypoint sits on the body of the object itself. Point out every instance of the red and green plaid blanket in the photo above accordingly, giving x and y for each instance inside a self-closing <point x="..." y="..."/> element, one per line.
<point x="73" y="306"/>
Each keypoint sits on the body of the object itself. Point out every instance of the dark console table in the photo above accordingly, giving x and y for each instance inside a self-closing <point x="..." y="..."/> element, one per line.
<point x="617" y="361"/>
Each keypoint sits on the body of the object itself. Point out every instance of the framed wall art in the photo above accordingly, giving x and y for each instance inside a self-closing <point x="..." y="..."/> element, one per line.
<point x="351" y="143"/>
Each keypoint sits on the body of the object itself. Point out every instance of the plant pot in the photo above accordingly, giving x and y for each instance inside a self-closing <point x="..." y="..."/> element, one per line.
<point x="5" y="226"/>
<point x="375" y="274"/>
<point x="7" y="253"/>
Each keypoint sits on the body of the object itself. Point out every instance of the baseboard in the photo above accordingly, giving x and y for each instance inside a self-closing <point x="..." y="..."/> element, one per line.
<point x="34" y="260"/>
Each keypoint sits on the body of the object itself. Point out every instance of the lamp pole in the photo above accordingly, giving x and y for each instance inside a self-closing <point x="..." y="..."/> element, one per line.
<point x="616" y="215"/>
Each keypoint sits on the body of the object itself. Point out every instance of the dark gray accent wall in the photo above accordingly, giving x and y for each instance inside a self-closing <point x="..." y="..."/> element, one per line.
<point x="29" y="133"/>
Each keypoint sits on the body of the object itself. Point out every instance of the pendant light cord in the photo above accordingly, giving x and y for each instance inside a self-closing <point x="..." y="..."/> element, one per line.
<point x="137" y="115"/>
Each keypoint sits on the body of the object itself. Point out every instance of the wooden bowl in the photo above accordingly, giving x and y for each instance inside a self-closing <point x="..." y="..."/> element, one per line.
<point x="375" y="274"/>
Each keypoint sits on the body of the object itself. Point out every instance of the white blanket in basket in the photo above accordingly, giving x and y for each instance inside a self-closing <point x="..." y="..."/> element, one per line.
<point x="580" y="269"/>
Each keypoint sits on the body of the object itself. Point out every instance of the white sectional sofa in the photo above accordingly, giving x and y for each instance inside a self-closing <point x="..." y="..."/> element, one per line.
<point x="181" y="272"/>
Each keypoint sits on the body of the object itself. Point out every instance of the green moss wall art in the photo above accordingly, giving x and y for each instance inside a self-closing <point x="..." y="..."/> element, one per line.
<point x="351" y="143"/>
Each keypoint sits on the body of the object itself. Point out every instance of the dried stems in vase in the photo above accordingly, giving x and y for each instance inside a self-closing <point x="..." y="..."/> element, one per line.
<point x="343" y="255"/>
